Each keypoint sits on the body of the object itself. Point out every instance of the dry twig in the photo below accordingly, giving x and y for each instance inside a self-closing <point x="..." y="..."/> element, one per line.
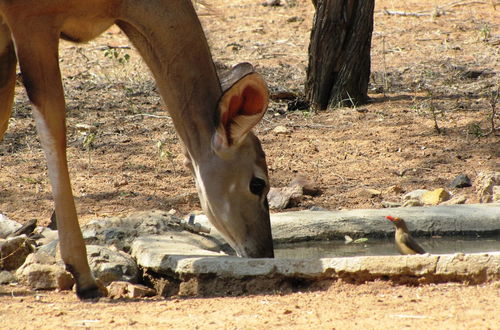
<point x="404" y="13"/>
<point x="438" y="10"/>
<point x="493" y="103"/>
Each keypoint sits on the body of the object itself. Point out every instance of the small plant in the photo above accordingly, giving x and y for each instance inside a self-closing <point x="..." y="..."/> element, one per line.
<point x="340" y="102"/>
<point x="31" y="180"/>
<point x="116" y="54"/>
<point x="493" y="100"/>
<point x="307" y="113"/>
<point x="485" y="32"/>
<point x="163" y="153"/>
<point x="384" y="77"/>
<point x="475" y="130"/>
<point x="88" y="143"/>
<point x="435" y="113"/>
<point x="427" y="106"/>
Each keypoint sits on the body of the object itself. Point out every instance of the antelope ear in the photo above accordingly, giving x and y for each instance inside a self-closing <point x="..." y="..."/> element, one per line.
<point x="241" y="106"/>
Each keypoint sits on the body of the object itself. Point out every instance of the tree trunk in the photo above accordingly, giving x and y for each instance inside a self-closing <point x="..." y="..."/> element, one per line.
<point x="339" y="53"/>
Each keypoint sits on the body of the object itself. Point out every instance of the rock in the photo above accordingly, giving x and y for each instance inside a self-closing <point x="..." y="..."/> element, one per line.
<point x="120" y="289"/>
<point x="281" y="198"/>
<point x="461" y="181"/>
<point x="435" y="197"/>
<point x="272" y="3"/>
<point x="45" y="235"/>
<point x="388" y="204"/>
<point x="317" y="208"/>
<point x="201" y="276"/>
<point x="13" y="252"/>
<point x="297" y="104"/>
<point x="152" y="251"/>
<point x="139" y="291"/>
<point x="455" y="200"/>
<point x="7" y="277"/>
<point x="294" y="19"/>
<point x="85" y="128"/>
<point x="121" y="231"/>
<point x="281" y="93"/>
<point x="117" y="289"/>
<point x="277" y="200"/>
<point x="496" y="194"/>
<point x="40" y="258"/>
<point x="53" y="221"/>
<point x="7" y="226"/>
<point x="412" y="203"/>
<point x="393" y="190"/>
<point x="25" y="229"/>
<point x="368" y="193"/>
<point x="308" y="186"/>
<point x="184" y="243"/>
<point x="471" y="74"/>
<point x="281" y="130"/>
<point x="485" y="181"/>
<point x="41" y="272"/>
<point x="415" y="194"/>
<point x="108" y="265"/>
<point x="51" y="248"/>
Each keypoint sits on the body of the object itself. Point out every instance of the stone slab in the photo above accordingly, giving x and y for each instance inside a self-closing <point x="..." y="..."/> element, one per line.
<point x="13" y="252"/>
<point x="299" y="226"/>
<point x="471" y="268"/>
<point x="109" y="265"/>
<point x="154" y="251"/>
<point x="7" y="226"/>
<point x="193" y="270"/>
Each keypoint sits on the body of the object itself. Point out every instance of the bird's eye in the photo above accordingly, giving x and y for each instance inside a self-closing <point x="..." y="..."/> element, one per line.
<point x="257" y="186"/>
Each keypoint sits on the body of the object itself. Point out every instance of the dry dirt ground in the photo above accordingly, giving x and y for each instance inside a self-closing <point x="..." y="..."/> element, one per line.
<point x="374" y="305"/>
<point x="439" y="69"/>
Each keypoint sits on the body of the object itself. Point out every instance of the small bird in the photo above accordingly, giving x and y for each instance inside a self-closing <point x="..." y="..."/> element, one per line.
<point x="405" y="243"/>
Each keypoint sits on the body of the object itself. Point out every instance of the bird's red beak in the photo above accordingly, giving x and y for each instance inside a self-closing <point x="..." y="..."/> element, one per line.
<point x="390" y="218"/>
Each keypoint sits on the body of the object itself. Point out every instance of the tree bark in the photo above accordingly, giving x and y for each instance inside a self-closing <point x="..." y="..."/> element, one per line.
<point x="339" y="53"/>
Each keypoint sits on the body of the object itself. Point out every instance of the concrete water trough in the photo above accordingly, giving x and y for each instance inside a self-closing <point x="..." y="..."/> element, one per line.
<point x="189" y="268"/>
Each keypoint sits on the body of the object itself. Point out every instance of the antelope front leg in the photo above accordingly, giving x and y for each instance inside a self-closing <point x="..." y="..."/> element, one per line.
<point x="37" y="49"/>
<point x="8" y="64"/>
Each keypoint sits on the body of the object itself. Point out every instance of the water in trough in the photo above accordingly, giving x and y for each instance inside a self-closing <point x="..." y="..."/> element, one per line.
<point x="373" y="247"/>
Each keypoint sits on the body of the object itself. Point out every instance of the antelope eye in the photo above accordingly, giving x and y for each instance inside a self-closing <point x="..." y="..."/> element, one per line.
<point x="257" y="186"/>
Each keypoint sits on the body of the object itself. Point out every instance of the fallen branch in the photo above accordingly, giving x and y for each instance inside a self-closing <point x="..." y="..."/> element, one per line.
<point x="113" y="47"/>
<point x="438" y="11"/>
<point x="149" y="115"/>
<point x="311" y="126"/>
<point x="340" y="177"/>
<point x="405" y="13"/>
<point x="464" y="3"/>
<point x="493" y="104"/>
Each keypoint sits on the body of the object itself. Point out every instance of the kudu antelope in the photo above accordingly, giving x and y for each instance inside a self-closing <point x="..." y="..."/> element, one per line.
<point x="213" y="119"/>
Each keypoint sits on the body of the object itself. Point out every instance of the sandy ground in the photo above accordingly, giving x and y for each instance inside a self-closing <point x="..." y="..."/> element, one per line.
<point x="424" y="73"/>
<point x="375" y="305"/>
<point x="420" y="66"/>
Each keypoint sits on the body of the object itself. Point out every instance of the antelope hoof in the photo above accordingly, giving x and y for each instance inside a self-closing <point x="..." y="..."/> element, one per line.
<point x="93" y="292"/>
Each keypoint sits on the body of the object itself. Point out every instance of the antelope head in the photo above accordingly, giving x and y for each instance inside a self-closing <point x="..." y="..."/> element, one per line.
<point x="232" y="180"/>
